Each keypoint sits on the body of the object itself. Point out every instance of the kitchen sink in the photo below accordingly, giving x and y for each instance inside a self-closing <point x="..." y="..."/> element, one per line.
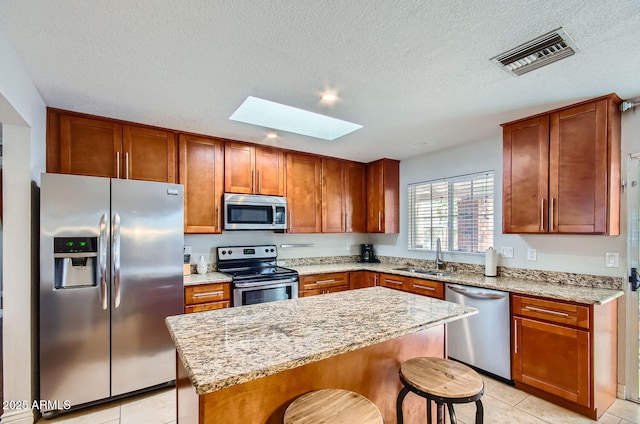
<point x="424" y="271"/>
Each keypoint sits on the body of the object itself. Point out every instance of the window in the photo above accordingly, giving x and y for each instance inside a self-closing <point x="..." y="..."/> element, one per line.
<point x="457" y="210"/>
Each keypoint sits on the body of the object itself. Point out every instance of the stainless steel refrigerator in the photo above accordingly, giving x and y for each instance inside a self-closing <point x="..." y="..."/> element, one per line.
<point x="111" y="256"/>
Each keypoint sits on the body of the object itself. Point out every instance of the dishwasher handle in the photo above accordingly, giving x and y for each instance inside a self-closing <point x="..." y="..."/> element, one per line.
<point x="476" y="294"/>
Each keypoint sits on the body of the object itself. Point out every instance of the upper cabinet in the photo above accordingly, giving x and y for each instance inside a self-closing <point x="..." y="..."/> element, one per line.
<point x="304" y="195"/>
<point x="201" y="162"/>
<point x="343" y="196"/>
<point x="383" y="196"/>
<point x="562" y="170"/>
<point x="106" y="148"/>
<point x="253" y="169"/>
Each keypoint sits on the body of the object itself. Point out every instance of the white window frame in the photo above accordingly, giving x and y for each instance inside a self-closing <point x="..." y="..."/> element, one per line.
<point x="482" y="234"/>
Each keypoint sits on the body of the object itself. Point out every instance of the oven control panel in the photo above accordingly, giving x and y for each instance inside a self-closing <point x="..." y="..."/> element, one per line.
<point x="247" y="252"/>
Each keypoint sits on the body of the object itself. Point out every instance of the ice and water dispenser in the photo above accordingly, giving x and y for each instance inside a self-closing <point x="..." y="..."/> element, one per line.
<point x="76" y="262"/>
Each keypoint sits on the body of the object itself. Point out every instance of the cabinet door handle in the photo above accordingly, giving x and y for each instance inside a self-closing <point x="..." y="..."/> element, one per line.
<point x="420" y="286"/>
<point x="379" y="220"/>
<point x="551" y="220"/>
<point x="546" y="311"/>
<point x="217" y="225"/>
<point x="117" y="164"/>
<point x="258" y="180"/>
<point x="126" y="161"/>
<point x="253" y="180"/>
<point x="207" y="294"/>
<point x="515" y="336"/>
<point x="325" y="281"/>
<point x="542" y="214"/>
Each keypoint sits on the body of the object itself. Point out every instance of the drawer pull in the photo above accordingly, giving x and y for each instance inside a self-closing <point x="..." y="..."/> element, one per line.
<point x="419" y="286"/>
<point x="546" y="311"/>
<point x="393" y="282"/>
<point x="325" y="281"/>
<point x="206" y="294"/>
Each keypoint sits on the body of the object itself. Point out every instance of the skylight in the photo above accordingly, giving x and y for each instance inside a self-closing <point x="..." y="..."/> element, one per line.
<point x="277" y="116"/>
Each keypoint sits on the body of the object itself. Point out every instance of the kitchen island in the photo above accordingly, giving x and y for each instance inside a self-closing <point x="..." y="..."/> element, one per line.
<point x="247" y="364"/>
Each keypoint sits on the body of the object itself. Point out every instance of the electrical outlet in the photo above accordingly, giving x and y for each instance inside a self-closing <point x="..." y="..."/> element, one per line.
<point x="612" y="259"/>
<point x="532" y="255"/>
<point x="187" y="250"/>
<point x="348" y="247"/>
<point x="507" y="252"/>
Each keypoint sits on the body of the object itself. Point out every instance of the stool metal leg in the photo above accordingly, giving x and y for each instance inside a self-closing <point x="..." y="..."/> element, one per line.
<point x="440" y="420"/>
<point x="401" y="396"/>
<point x="429" y="411"/>
<point x="479" y="412"/>
<point x="452" y="414"/>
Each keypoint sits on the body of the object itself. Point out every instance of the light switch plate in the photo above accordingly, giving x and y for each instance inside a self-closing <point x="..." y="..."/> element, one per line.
<point x="507" y="252"/>
<point x="612" y="259"/>
<point x="532" y="255"/>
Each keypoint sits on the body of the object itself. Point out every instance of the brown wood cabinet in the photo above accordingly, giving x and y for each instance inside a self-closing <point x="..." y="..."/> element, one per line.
<point x="201" y="162"/>
<point x="206" y="297"/>
<point x="304" y="194"/>
<point x="383" y="196"/>
<point x="426" y="287"/>
<point x="566" y="352"/>
<point x="253" y="169"/>
<point x="392" y="281"/>
<point x="87" y="145"/>
<point x="562" y="170"/>
<point x="363" y="279"/>
<point x="311" y="285"/>
<point x="343" y="196"/>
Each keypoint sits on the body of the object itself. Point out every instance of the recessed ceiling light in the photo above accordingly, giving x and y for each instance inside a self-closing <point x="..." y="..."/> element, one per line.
<point x="269" y="114"/>
<point x="272" y="134"/>
<point x="329" y="97"/>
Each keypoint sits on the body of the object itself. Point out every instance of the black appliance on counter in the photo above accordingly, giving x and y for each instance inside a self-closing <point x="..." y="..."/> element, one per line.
<point x="366" y="254"/>
<point x="256" y="277"/>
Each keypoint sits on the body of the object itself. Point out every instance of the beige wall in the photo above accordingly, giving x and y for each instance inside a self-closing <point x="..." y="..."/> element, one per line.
<point x="23" y="117"/>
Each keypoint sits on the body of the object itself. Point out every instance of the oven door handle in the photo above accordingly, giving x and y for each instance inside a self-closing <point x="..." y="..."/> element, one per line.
<point x="265" y="284"/>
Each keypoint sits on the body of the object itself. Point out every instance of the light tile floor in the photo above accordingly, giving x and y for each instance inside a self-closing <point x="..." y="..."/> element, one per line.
<point x="503" y="404"/>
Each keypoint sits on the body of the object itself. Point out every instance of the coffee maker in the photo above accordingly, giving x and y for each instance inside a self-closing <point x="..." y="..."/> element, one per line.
<point x="366" y="254"/>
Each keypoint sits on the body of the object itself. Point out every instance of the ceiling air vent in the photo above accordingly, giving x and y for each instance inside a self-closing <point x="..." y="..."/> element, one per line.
<point x="537" y="53"/>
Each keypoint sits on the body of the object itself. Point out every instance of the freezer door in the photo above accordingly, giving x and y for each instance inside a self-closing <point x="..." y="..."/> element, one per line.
<point x="74" y="318"/>
<point x="147" y="282"/>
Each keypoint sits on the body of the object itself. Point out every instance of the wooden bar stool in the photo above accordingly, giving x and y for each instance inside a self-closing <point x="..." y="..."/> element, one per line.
<point x="442" y="381"/>
<point x="332" y="406"/>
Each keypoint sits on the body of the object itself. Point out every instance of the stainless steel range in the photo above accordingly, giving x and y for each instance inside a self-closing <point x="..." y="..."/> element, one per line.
<point x="256" y="276"/>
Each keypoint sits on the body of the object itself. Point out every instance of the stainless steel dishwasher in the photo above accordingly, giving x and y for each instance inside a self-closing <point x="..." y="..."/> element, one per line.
<point x="482" y="340"/>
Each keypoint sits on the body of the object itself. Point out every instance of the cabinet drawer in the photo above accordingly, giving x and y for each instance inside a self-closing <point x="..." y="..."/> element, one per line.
<point x="393" y="281"/>
<point x="318" y="291"/>
<point x="323" y="281"/>
<point x="206" y="293"/>
<point x="551" y="310"/>
<point x="426" y="287"/>
<point x="207" y="306"/>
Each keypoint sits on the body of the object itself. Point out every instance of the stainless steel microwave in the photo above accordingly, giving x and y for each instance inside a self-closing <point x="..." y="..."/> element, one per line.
<point x="254" y="212"/>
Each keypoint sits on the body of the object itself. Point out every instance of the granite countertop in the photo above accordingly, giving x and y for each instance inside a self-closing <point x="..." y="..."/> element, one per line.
<point x="210" y="277"/>
<point x="573" y="293"/>
<point x="554" y="290"/>
<point x="225" y="347"/>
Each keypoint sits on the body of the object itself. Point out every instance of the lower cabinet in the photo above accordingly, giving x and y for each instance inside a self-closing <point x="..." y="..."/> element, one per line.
<point x="311" y="285"/>
<point x="565" y="352"/>
<point x="205" y="297"/>
<point x="426" y="287"/>
<point x="363" y="279"/>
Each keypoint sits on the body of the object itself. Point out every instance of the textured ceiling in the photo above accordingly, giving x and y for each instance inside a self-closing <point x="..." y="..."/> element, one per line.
<point x="415" y="73"/>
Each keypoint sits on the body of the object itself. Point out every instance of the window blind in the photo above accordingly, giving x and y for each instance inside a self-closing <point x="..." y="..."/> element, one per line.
<point x="458" y="210"/>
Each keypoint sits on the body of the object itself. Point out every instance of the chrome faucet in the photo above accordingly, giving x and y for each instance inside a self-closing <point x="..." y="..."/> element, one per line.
<point x="439" y="262"/>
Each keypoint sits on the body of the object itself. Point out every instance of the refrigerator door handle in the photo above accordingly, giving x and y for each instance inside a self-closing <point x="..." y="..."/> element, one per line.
<point x="102" y="261"/>
<point x="115" y="257"/>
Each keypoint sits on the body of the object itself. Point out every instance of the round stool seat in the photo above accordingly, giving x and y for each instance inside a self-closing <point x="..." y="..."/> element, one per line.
<point x="442" y="377"/>
<point x="332" y="406"/>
